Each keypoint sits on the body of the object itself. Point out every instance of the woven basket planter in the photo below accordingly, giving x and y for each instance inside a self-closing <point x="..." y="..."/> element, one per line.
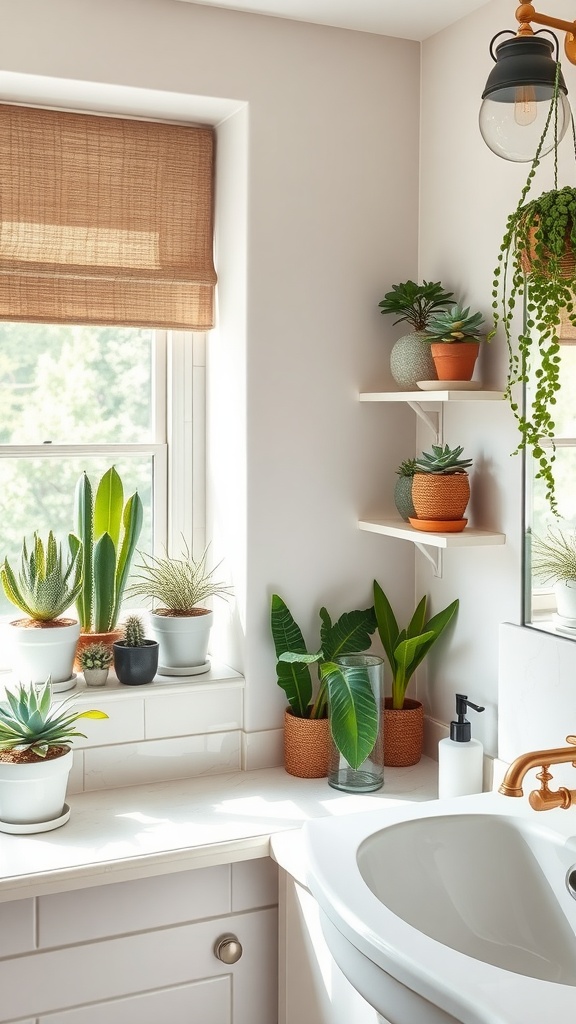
<point x="441" y="496"/>
<point x="403" y="733"/>
<point x="567" y="262"/>
<point x="306" y="746"/>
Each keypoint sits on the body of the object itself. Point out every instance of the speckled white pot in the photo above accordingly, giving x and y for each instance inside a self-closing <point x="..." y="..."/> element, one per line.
<point x="411" y="360"/>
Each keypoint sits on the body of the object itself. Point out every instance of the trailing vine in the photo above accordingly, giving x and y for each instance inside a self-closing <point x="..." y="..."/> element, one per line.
<point x="535" y="267"/>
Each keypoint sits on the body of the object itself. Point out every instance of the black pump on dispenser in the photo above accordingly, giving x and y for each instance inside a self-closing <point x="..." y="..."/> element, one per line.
<point x="461" y="730"/>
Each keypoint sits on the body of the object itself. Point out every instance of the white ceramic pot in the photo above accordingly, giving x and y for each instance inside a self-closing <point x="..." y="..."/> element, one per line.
<point x="183" y="640"/>
<point x="34" y="793"/>
<point x="565" y="592"/>
<point x="38" y="652"/>
<point x="95" y="676"/>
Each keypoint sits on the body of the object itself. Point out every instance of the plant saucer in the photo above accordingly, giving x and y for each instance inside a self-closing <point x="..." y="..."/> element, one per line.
<point x="64" y="684"/>
<point x="22" y="829"/>
<point x="449" y="385"/>
<point x="192" y="670"/>
<point x="438" y="525"/>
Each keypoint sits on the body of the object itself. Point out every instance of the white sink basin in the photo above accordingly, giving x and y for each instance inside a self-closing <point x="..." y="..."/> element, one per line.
<point x="453" y="910"/>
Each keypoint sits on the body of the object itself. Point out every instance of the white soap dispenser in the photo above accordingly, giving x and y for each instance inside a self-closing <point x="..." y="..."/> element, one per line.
<point x="460" y="758"/>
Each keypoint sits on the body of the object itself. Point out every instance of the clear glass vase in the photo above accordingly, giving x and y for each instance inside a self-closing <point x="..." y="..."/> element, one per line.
<point x="370" y="775"/>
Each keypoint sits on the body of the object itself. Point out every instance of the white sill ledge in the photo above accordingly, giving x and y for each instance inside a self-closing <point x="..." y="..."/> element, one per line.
<point x="122" y="834"/>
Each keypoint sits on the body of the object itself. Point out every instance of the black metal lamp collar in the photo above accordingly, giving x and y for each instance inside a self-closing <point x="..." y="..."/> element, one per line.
<point x="520" y="87"/>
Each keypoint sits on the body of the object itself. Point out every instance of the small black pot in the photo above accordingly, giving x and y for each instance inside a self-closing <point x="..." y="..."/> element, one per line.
<point x="135" y="665"/>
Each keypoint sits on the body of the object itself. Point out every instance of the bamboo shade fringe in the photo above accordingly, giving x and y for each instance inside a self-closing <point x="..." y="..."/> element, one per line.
<point x="105" y="220"/>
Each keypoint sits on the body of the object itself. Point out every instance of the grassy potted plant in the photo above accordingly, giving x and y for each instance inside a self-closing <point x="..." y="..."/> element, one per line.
<point x="537" y="266"/>
<point x="405" y="649"/>
<point x="95" y="660"/>
<point x="554" y="561"/>
<point x="179" y="621"/>
<point x="35" y="757"/>
<point x="455" y="335"/>
<point x="411" y="358"/>
<point x="107" y="533"/>
<point x="44" y="587"/>
<point x="135" y="657"/>
<point x="353" y="713"/>
<point x="440" y="490"/>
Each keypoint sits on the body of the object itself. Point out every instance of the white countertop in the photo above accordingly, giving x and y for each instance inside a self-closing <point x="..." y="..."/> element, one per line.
<point x="121" y="834"/>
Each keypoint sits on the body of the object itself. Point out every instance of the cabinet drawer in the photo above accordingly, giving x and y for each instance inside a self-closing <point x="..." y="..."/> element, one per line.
<point x="208" y="1002"/>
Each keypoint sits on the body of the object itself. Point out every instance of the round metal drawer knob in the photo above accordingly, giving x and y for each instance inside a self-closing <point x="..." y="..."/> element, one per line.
<point x="228" y="949"/>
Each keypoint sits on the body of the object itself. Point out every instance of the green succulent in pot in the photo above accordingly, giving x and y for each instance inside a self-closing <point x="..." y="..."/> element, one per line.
<point x="44" y="587"/>
<point x="30" y="722"/>
<point x="454" y="325"/>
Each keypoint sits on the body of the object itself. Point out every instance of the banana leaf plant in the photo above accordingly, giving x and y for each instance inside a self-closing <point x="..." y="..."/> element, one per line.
<point x="349" y="697"/>
<point x="108" y="531"/>
<point x="407" y="648"/>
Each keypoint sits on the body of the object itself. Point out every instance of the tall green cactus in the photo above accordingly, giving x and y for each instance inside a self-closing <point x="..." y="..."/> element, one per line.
<point x="108" y="530"/>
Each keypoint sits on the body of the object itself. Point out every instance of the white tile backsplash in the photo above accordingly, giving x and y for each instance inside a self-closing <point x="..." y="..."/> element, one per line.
<point x="191" y="713"/>
<point x="264" y="749"/>
<point x="133" y="764"/>
<point x="17" y="927"/>
<point x="125" y="722"/>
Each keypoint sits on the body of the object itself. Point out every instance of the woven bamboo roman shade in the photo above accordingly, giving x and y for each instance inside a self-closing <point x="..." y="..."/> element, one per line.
<point x="105" y="220"/>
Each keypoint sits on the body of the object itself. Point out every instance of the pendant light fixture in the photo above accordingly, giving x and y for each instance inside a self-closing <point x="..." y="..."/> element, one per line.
<point x="516" y="99"/>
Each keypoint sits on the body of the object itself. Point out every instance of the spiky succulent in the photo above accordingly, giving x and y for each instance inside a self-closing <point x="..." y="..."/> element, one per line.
<point x="179" y="584"/>
<point x="29" y="720"/>
<point x="134" y="631"/>
<point x="415" y="303"/>
<point x="96" y="655"/>
<point x="455" y="324"/>
<point x="407" y="468"/>
<point x="44" y="587"/>
<point x="554" y="556"/>
<point x="444" y="460"/>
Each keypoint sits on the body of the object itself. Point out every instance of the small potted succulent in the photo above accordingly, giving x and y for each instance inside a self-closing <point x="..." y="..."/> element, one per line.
<point x="180" y="622"/>
<point x="353" y="718"/>
<point x="95" y="661"/>
<point x="405" y="649"/>
<point x="403" y="489"/>
<point x="411" y="358"/>
<point x="35" y="757"/>
<point x="440" y="490"/>
<point x="455" y="335"/>
<point x="135" y="657"/>
<point x="43" y="588"/>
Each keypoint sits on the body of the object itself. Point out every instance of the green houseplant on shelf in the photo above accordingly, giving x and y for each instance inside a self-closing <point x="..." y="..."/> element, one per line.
<point x="180" y="623"/>
<point x="353" y="713"/>
<point x="135" y="657"/>
<point x="411" y="358"/>
<point x="455" y="335"/>
<point x="43" y="588"/>
<point x="35" y="756"/>
<point x="440" y="490"/>
<point x="107" y="531"/>
<point x="405" y="649"/>
<point x="403" y="489"/>
<point x="95" y="660"/>
<point x="554" y="561"/>
<point x="537" y="268"/>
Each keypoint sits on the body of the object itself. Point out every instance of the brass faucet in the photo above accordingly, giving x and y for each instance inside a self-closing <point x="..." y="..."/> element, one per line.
<point x="543" y="799"/>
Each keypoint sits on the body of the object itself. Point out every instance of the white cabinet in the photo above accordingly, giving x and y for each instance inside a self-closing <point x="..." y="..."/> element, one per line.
<point x="142" y="952"/>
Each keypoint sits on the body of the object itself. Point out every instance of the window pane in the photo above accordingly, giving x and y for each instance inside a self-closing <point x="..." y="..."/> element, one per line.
<point x="565" y="409"/>
<point x="75" y="385"/>
<point x="38" y="495"/>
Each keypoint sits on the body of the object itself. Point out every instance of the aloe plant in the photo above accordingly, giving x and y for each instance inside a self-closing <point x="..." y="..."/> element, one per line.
<point x="29" y="720"/>
<point x="44" y="587"/>
<point x="406" y="648"/>
<point x="108" y="531"/>
<point x="353" y="712"/>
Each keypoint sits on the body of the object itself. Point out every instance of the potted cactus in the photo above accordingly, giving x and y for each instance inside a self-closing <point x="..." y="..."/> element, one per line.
<point x="455" y="335"/>
<point x="35" y="757"/>
<point x="95" y="660"/>
<point x="108" y="530"/>
<point x="411" y="358"/>
<point x="43" y="588"/>
<point x="441" y="490"/>
<point x="135" y="657"/>
<point x="181" y="625"/>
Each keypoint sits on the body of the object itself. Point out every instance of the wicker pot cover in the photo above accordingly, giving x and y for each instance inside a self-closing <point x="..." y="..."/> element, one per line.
<point x="403" y="497"/>
<point x="306" y="746"/>
<point x="455" y="360"/>
<point x="440" y="496"/>
<point x="403" y="733"/>
<point x="567" y="262"/>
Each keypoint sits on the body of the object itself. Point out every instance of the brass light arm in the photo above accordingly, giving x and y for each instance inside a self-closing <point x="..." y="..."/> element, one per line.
<point x="526" y="13"/>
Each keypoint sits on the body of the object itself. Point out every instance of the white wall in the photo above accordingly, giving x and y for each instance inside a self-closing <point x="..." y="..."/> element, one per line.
<point x="324" y="126"/>
<point x="466" y="193"/>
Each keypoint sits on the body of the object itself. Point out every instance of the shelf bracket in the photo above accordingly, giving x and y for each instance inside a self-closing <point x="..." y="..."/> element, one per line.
<point x="434" y="419"/>
<point x="435" y="557"/>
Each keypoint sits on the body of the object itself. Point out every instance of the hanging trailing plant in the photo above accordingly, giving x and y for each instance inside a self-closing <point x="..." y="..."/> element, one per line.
<point x="536" y="274"/>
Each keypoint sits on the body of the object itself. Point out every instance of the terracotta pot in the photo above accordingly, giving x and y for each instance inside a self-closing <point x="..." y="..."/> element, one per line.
<point x="440" y="495"/>
<point x="403" y="733"/>
<point x="306" y="746"/>
<point x="85" y="639"/>
<point x="455" y="360"/>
